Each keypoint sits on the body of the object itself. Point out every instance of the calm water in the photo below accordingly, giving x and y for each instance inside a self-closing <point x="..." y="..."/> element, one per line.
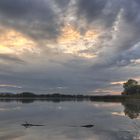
<point x="63" y="120"/>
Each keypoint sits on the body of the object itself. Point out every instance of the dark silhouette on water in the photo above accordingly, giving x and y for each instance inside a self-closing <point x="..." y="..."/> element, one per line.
<point x="85" y="126"/>
<point x="27" y="125"/>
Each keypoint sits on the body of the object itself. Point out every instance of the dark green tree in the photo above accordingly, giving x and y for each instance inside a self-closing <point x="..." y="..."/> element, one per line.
<point x="131" y="87"/>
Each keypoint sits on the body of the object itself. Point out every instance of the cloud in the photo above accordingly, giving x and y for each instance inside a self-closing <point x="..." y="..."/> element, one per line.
<point x="120" y="41"/>
<point x="78" y="44"/>
<point x="98" y="12"/>
<point x="34" y="18"/>
<point x="62" y="3"/>
<point x="8" y="85"/>
<point x="11" y="58"/>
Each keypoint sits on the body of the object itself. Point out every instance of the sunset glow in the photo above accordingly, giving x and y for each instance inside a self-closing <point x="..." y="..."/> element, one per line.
<point x="72" y="42"/>
<point x="14" y="42"/>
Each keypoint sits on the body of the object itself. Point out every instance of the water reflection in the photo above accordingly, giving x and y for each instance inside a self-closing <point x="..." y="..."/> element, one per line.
<point x="68" y="120"/>
<point x="31" y="100"/>
<point x="28" y="125"/>
<point x="132" y="108"/>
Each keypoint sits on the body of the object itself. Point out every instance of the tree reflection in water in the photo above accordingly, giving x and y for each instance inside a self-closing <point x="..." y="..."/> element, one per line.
<point x="131" y="109"/>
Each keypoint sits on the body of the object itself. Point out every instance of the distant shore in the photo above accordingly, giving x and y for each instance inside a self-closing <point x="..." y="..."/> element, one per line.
<point x="56" y="97"/>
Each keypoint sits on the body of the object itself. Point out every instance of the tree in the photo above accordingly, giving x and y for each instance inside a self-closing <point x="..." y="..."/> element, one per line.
<point x="130" y="83"/>
<point x="131" y="87"/>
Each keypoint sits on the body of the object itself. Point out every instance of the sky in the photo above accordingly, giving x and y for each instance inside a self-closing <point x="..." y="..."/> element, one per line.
<point x="69" y="46"/>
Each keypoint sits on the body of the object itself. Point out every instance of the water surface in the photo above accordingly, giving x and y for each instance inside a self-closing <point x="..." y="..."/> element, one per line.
<point x="63" y="120"/>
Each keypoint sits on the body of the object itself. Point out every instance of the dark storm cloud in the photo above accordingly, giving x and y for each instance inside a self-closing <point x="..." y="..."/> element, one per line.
<point x="104" y="11"/>
<point x="91" y="9"/>
<point x="16" y="8"/>
<point x="107" y="10"/>
<point x="123" y="15"/>
<point x="129" y="56"/>
<point x="62" y="3"/>
<point x="32" y="17"/>
<point x="132" y="10"/>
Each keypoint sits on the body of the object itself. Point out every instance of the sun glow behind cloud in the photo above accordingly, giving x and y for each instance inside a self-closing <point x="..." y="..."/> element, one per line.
<point x="14" y="42"/>
<point x="69" y="34"/>
<point x="72" y="42"/>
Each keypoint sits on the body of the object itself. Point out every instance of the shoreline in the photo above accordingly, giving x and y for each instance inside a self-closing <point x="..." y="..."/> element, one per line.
<point x="61" y="97"/>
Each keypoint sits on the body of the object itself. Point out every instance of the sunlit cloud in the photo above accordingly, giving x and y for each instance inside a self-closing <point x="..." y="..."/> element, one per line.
<point x="105" y="91"/>
<point x="4" y="49"/>
<point x="69" y="35"/>
<point x="9" y="86"/>
<point x="118" y="83"/>
<point x="14" y="42"/>
<point x="71" y="41"/>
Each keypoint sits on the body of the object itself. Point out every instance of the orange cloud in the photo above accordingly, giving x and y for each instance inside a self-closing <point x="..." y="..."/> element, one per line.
<point x="72" y="42"/>
<point x="69" y="34"/>
<point x="118" y="113"/>
<point x="122" y="82"/>
<point x="12" y="41"/>
<point x="91" y="34"/>
<point x="118" y="83"/>
<point x="69" y="42"/>
<point x="106" y="91"/>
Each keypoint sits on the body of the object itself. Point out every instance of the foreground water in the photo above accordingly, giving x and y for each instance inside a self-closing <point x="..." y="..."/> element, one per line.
<point x="63" y="120"/>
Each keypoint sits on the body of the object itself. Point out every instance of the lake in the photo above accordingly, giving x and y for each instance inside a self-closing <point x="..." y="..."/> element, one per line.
<point x="64" y="120"/>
